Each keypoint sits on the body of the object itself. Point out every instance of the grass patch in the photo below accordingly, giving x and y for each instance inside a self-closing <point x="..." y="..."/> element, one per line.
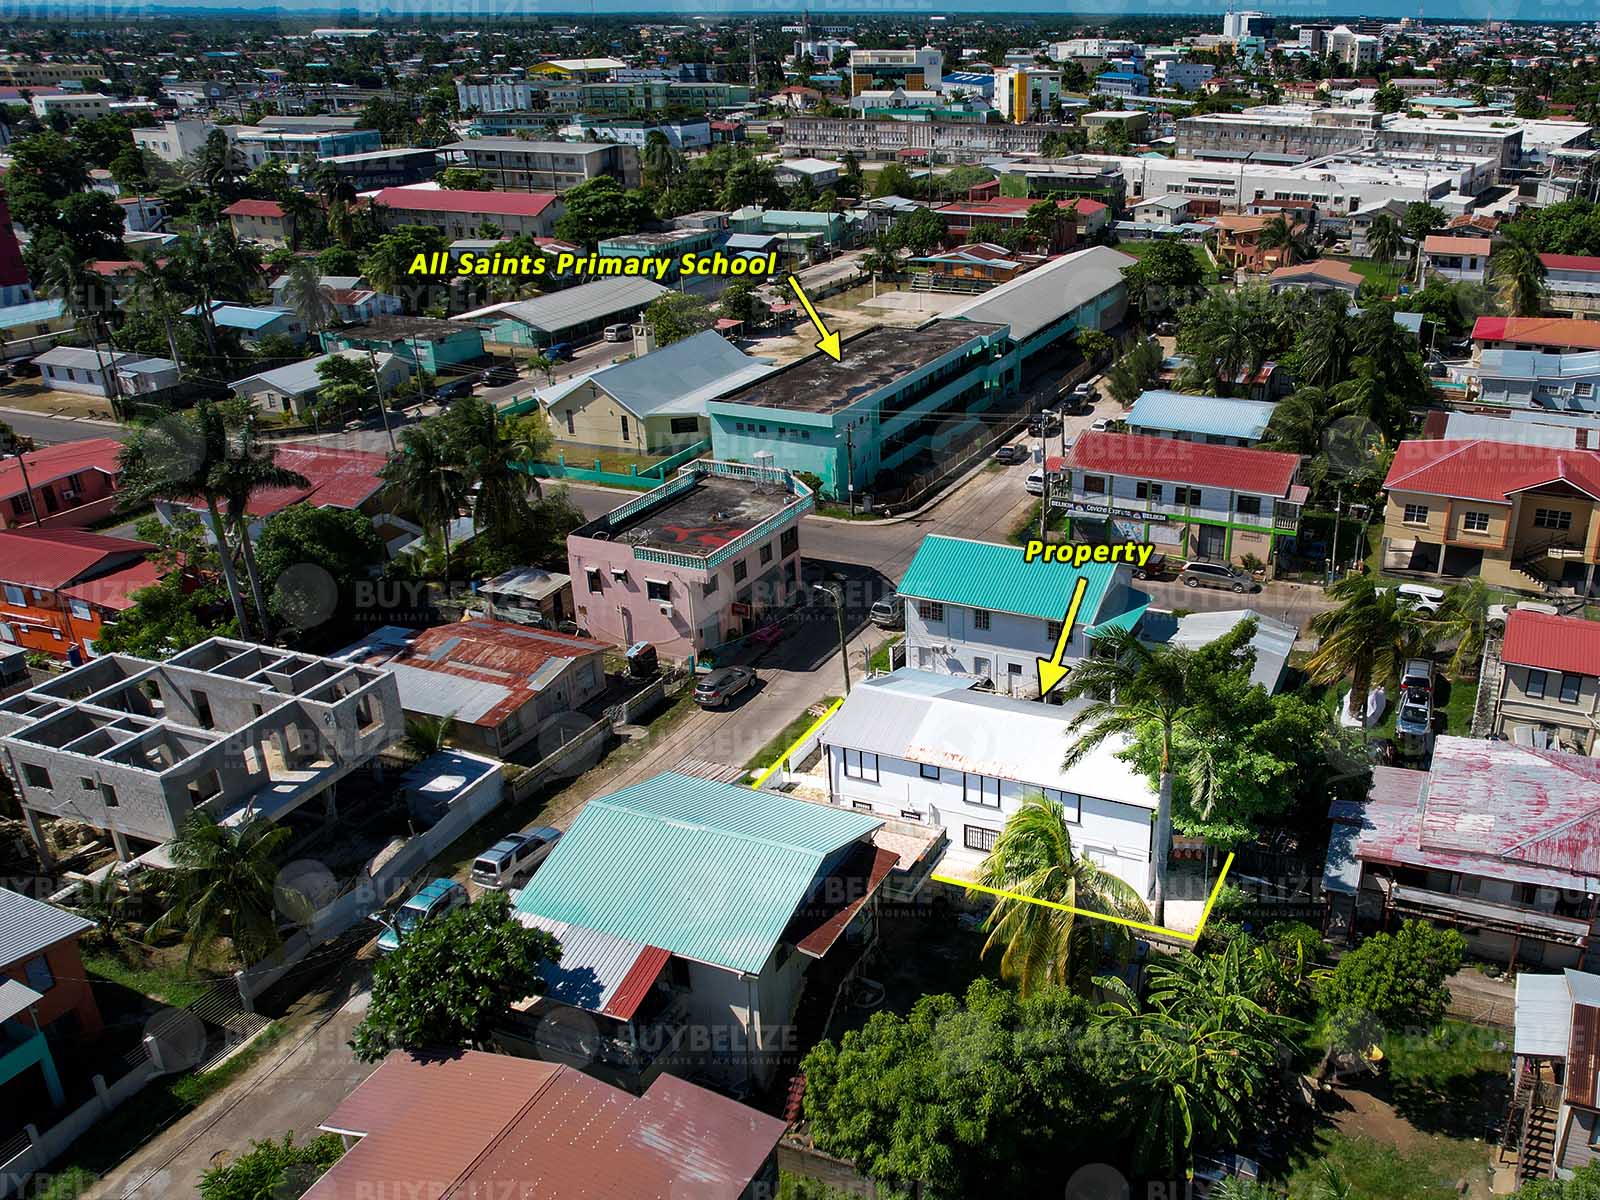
<point x="787" y="736"/>
<point x="880" y="657"/>
<point x="841" y="512"/>
<point x="170" y="984"/>
<point x="1379" y="1171"/>
<point x="195" y="1090"/>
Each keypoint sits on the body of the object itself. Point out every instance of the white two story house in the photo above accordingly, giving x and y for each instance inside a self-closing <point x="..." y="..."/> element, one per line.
<point x="1221" y="503"/>
<point x="980" y="610"/>
<point x="916" y="746"/>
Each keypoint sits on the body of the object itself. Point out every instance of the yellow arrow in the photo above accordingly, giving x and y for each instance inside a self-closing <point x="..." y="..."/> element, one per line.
<point x="829" y="344"/>
<point x="1051" y="672"/>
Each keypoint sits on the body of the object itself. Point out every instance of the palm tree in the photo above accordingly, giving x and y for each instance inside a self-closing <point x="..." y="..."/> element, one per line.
<point x="67" y="278"/>
<point x="303" y="292"/>
<point x="1278" y="234"/>
<point x="1464" y="619"/>
<point x="427" y="735"/>
<point x="224" y="878"/>
<point x="434" y="484"/>
<point x="1297" y="422"/>
<point x="1324" y="347"/>
<point x="1519" y="273"/>
<point x="178" y="458"/>
<point x="1369" y="636"/>
<point x="1042" y="946"/>
<point x="1385" y="241"/>
<point x="249" y="467"/>
<point x="1129" y="685"/>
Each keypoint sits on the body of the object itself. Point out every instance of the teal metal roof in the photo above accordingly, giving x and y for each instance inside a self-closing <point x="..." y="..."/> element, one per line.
<point x="1138" y="603"/>
<point x="708" y="871"/>
<point x="987" y="575"/>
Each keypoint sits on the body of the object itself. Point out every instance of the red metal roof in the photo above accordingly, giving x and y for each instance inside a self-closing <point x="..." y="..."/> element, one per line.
<point x="114" y="590"/>
<point x="1007" y="206"/>
<point x="1570" y="262"/>
<point x="1552" y="643"/>
<point x="637" y="983"/>
<point x="50" y="463"/>
<point x="52" y="558"/>
<point x="337" y="478"/>
<point x="1318" y="270"/>
<point x="1564" y="332"/>
<point x="464" y="200"/>
<point x="473" y="1125"/>
<point x="1236" y="468"/>
<point x="1479" y="469"/>
<point x="254" y="208"/>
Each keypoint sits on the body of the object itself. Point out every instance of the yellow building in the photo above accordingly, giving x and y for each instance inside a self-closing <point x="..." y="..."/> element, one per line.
<point x="1520" y="517"/>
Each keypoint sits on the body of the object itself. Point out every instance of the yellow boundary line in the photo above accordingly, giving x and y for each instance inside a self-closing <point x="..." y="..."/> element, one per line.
<point x="1205" y="913"/>
<point x="810" y="729"/>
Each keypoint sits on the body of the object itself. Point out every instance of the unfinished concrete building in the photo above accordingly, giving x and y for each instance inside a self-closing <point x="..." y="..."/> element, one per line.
<point x="237" y="729"/>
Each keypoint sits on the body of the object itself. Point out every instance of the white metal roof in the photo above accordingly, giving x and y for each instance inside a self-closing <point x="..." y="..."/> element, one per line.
<point x="1544" y="1016"/>
<point x="16" y="998"/>
<point x="1046" y="294"/>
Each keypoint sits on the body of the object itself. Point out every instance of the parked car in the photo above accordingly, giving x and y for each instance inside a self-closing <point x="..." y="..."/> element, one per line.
<point x="1499" y="612"/>
<point x="558" y="352"/>
<point x="1159" y="566"/>
<point x="1100" y="426"/>
<point x="1044" y="424"/>
<point x="889" y="612"/>
<point x="1035" y="483"/>
<point x="1417" y="677"/>
<point x="452" y="389"/>
<point x="1427" y="600"/>
<point x="502" y="374"/>
<point x="618" y="333"/>
<point x="432" y="902"/>
<point x="1414" y="720"/>
<point x="514" y="857"/>
<point x="718" y="687"/>
<point x="1009" y="455"/>
<point x="1217" y="575"/>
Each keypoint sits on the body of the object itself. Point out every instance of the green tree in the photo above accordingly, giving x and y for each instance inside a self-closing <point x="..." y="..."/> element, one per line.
<point x="1584" y="1185"/>
<point x="341" y="542"/>
<point x="272" y="1170"/>
<point x="432" y="482"/>
<point x="1389" y="99"/>
<point x="387" y="264"/>
<point x="1419" y="220"/>
<point x="249" y="466"/>
<point x="1519" y="273"/>
<point x="463" y="179"/>
<point x="223" y="878"/>
<point x="1279" y="234"/>
<point x="452" y="979"/>
<point x="920" y="231"/>
<point x="303" y="292"/>
<point x="1166" y="278"/>
<point x="1394" y="981"/>
<point x="739" y="302"/>
<point x="893" y="180"/>
<point x="338" y="260"/>
<point x="1040" y="945"/>
<point x="1384" y="241"/>
<point x="677" y="315"/>
<point x="1463" y="618"/>
<point x="601" y="209"/>
<point x="1368" y="637"/>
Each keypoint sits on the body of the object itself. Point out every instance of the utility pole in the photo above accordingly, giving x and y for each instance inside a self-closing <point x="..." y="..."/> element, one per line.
<point x="1338" y="511"/>
<point x="383" y="409"/>
<point x="18" y="445"/>
<point x="755" y="76"/>
<point x="1044" y="497"/>
<point x="838" y="611"/>
<point x="850" y="466"/>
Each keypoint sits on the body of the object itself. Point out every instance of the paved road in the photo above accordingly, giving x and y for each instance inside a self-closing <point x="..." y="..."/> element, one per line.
<point x="48" y="431"/>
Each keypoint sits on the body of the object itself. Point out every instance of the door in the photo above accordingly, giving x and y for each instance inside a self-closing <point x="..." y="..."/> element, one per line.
<point x="627" y="627"/>
<point x="980" y="668"/>
<point x="1212" y="541"/>
<point x="956" y="623"/>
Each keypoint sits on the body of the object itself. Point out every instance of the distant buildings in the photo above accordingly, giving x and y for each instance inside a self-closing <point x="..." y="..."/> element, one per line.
<point x="1571" y="284"/>
<point x="515" y="165"/>
<point x="913" y="70"/>
<point x="461" y="212"/>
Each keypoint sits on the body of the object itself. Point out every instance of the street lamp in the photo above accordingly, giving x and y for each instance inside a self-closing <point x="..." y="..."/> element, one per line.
<point x="838" y="609"/>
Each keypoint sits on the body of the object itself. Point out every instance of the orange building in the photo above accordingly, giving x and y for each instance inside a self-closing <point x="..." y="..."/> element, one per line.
<point x="60" y="587"/>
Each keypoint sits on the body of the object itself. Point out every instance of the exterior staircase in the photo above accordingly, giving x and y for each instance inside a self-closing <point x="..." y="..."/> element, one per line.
<point x="1535" y="1104"/>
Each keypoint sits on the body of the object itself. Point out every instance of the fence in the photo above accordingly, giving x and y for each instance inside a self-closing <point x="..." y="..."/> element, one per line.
<point x="652" y="476"/>
<point x="44" y="1148"/>
<point x="592" y="740"/>
<point x="373" y="888"/>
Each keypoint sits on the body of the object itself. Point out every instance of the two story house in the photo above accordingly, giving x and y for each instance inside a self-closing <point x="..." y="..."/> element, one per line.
<point x="1214" y="420"/>
<point x="1518" y="516"/>
<point x="1498" y="840"/>
<point x="923" y="747"/>
<point x="1556" y="1073"/>
<point x="1549" y="682"/>
<point x="1571" y="284"/>
<point x="1195" y="501"/>
<point x="1458" y="259"/>
<point x="980" y="610"/>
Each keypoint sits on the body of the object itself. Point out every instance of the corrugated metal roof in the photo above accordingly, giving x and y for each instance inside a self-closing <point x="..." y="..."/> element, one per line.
<point x="1272" y="643"/>
<point x="1552" y="643"/>
<point x="1210" y="416"/>
<point x="1045" y="295"/>
<point x="675" y="379"/>
<point x="902" y="715"/>
<point x="1234" y="468"/>
<point x="1488" y="470"/>
<point x="16" y="998"/>
<point x="574" y="306"/>
<point x="598" y="972"/>
<point x="27" y="926"/>
<point x="1544" y="1016"/>
<point x="995" y="577"/>
<point x="709" y="871"/>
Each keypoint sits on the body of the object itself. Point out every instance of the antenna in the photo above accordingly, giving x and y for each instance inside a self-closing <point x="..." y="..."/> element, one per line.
<point x="754" y="77"/>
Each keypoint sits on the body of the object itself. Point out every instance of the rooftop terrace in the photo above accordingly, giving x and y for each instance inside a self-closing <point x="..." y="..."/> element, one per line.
<point x="872" y="361"/>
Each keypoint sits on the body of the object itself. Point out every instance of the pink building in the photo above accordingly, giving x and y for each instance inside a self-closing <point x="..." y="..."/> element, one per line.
<point x="694" y="563"/>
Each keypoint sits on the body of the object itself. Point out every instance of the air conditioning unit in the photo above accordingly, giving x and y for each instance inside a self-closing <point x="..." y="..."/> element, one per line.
<point x="68" y="494"/>
<point x="666" y="610"/>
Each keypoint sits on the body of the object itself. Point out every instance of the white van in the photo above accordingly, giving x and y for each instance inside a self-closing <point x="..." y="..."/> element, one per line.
<point x="618" y="333"/>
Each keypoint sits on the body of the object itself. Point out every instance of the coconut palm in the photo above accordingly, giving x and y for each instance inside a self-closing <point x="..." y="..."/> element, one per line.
<point x="249" y="467"/>
<point x="1279" y="234"/>
<point x="1325" y="344"/>
<point x="1368" y="637"/>
<point x="1297" y="422"/>
<point x="1043" y="946"/>
<point x="1519" y="273"/>
<point x="1385" y="241"/>
<point x="67" y="278"/>
<point x="1464" y="619"/>
<point x="427" y="735"/>
<point x="1129" y="685"/>
<point x="426" y="474"/>
<point x="223" y="886"/>
<point x="303" y="292"/>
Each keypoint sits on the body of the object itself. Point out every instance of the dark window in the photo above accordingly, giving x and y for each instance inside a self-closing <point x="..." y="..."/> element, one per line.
<point x="1052" y="630"/>
<point x="928" y="772"/>
<point x="40" y="977"/>
<point x="861" y="765"/>
<point x="766" y="554"/>
<point x="36" y="776"/>
<point x="1094" y="484"/>
<point x="710" y="587"/>
<point x="1415" y="514"/>
<point x="1475" y="522"/>
<point x="739" y="572"/>
<point x="1147" y="491"/>
<point x="1552" y="518"/>
<point x="684" y="425"/>
<point x="657" y="589"/>
<point x="930" y="610"/>
<point x="1250" y="506"/>
<point x="789" y="541"/>
<point x="977" y="837"/>
<point x="595" y="580"/>
<point x="624" y="428"/>
<point x="980" y="618"/>
<point x="1536" y="684"/>
<point x="1186" y="497"/>
<point x="1570" y="686"/>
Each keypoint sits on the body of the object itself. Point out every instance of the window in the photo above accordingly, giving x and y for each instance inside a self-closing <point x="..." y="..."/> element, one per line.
<point x="624" y="427"/>
<point x="1147" y="491"/>
<point x="860" y="806"/>
<point x="1536" y="684"/>
<point x="739" y="572"/>
<point x="1475" y="522"/>
<point x="38" y="972"/>
<point x="910" y="814"/>
<point x="1071" y="803"/>
<point x="1552" y="518"/>
<point x="789" y="541"/>
<point x="1186" y="497"/>
<point x="14" y="595"/>
<point x="596" y="582"/>
<point x="1052" y="630"/>
<point x="710" y="587"/>
<point x="1248" y="506"/>
<point x="1094" y="484"/>
<point x="1571" y="685"/>
<point x="571" y="429"/>
<point x="980" y="618"/>
<point x="79" y="609"/>
<point x="928" y="772"/>
<point x="86" y="784"/>
<point x="683" y="425"/>
<point x="36" y="776"/>
<point x="766" y="554"/>
<point x="930" y="610"/>
<point x="658" y="589"/>
<point x="1415" y="514"/>
<point x="860" y="765"/>
<point x="978" y="837"/>
<point x="980" y="789"/>
<point x="19" y="506"/>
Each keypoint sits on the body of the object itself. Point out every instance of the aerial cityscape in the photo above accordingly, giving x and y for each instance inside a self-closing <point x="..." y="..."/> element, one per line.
<point x="747" y="605"/>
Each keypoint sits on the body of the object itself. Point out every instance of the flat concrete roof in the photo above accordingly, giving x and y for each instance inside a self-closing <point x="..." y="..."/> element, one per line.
<point x="698" y="520"/>
<point x="871" y="362"/>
